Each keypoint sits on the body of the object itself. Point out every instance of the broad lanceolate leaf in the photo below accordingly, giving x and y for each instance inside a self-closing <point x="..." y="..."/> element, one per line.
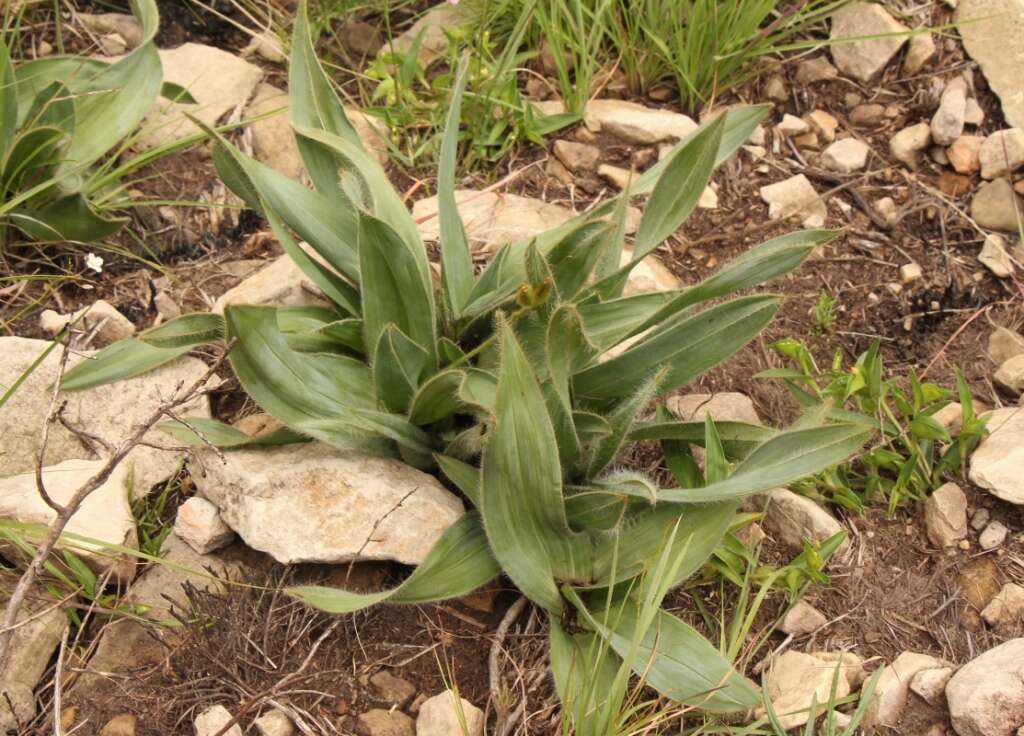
<point x="185" y="331"/>
<point x="124" y="359"/>
<point x="687" y="349"/>
<point x="456" y="261"/>
<point x="459" y="563"/>
<point x="396" y="286"/>
<point x="785" y="458"/>
<point x="315" y="105"/>
<point x="679" y="187"/>
<point x="521" y="496"/>
<point x="328" y="397"/>
<point x="754" y="267"/>
<point x="675" y="659"/>
<point x="738" y="439"/>
<point x="331" y="230"/>
<point x="398" y="364"/>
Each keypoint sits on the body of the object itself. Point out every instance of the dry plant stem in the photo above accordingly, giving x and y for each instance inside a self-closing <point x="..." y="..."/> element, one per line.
<point x="50" y="416"/>
<point x="35" y="567"/>
<point x="494" y="659"/>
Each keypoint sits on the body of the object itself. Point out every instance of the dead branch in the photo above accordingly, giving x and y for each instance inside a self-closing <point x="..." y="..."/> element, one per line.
<point x="35" y="567"/>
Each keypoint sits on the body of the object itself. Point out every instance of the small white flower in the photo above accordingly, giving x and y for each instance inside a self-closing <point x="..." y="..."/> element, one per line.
<point x="94" y="262"/>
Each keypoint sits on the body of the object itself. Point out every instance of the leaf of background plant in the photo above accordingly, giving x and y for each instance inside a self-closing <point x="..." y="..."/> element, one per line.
<point x="687" y="349"/>
<point x="185" y="331"/>
<point x="679" y="187"/>
<point x="68" y="218"/>
<point x="8" y="100"/>
<point x="123" y="359"/>
<point x="676" y="660"/>
<point x="456" y="260"/>
<point x="459" y="563"/>
<point x="521" y="491"/>
<point x="584" y="670"/>
<point x="395" y="288"/>
<point x="116" y="99"/>
<point x="32" y="151"/>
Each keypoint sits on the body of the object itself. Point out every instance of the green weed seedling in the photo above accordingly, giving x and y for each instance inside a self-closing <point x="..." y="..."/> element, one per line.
<point x="914" y="452"/>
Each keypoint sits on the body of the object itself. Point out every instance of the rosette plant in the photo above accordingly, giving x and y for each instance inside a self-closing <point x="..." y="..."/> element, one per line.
<point x="58" y="117"/>
<point x="522" y="383"/>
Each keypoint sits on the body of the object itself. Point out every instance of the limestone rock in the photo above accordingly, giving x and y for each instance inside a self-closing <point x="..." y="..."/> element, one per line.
<point x="993" y="535"/>
<point x="795" y="196"/>
<point x="986" y="696"/>
<point x="869" y="115"/>
<point x="851" y="666"/>
<point x="824" y="124"/>
<point x="123" y="24"/>
<point x="907" y="145"/>
<point x="312" y="503"/>
<point x="493" y="219"/>
<point x="863" y="60"/>
<point x="846" y="156"/>
<point x="951" y="416"/>
<point x="816" y="69"/>
<point x="775" y="89"/>
<point x="391" y="689"/>
<point x="218" y="81"/>
<point x="920" y="49"/>
<point x="380" y="722"/>
<point x="100" y="319"/>
<point x="635" y="123"/>
<point x="432" y="26"/>
<point x="975" y="114"/>
<point x="577" y="156"/>
<point x="273" y="139"/>
<point x="213" y="719"/>
<point x="38" y="634"/>
<point x="266" y="45"/>
<point x="894" y="686"/>
<point x="1001" y="153"/>
<point x="122" y="725"/>
<point x="617" y="176"/>
<point x="802" y="618"/>
<point x="930" y="684"/>
<point x="792" y="518"/>
<point x="948" y="121"/>
<point x="1007" y="608"/>
<point x="945" y="515"/>
<point x="274" y="723"/>
<point x="910" y="272"/>
<point x="447" y="714"/>
<point x="104" y="515"/>
<point x="727" y="406"/>
<point x="109" y="412"/>
<point x="281" y="283"/>
<point x="996" y="464"/>
<point x="997" y="206"/>
<point x="791" y="126"/>
<point x="1004" y="344"/>
<point x="199" y="524"/>
<point x="993" y="34"/>
<point x="1011" y="374"/>
<point x="795" y="679"/>
<point x="964" y="154"/>
<point x="648" y="275"/>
